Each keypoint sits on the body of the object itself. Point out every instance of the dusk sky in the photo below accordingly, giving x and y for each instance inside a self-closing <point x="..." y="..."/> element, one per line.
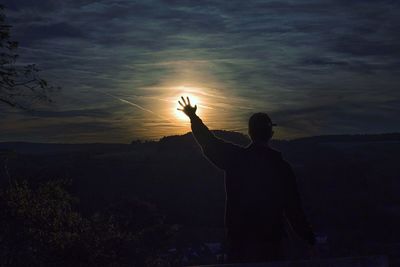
<point x="317" y="67"/>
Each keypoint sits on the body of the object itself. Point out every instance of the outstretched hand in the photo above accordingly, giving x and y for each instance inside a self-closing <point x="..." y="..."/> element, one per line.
<point x="187" y="108"/>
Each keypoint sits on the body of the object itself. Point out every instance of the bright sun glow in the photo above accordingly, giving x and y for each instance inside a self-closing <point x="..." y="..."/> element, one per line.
<point x="194" y="100"/>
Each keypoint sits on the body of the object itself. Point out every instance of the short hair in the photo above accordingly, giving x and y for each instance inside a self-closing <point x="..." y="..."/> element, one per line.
<point x="260" y="127"/>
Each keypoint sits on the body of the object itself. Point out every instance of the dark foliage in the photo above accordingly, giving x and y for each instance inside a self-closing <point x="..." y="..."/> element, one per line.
<point x="40" y="226"/>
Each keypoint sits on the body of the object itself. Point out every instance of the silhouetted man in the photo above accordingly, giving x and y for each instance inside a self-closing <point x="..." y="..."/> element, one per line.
<point x="261" y="190"/>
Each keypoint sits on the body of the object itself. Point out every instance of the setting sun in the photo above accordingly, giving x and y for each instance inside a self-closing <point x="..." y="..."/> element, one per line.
<point x="178" y="113"/>
<point x="194" y="100"/>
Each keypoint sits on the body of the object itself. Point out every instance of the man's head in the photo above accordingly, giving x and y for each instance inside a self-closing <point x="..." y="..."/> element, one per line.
<point x="260" y="127"/>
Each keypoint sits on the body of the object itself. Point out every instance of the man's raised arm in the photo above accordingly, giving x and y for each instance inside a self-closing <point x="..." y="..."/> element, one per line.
<point x="200" y="131"/>
<point x="216" y="150"/>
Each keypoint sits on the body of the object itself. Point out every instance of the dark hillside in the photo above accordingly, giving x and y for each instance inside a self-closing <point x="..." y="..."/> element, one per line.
<point x="349" y="182"/>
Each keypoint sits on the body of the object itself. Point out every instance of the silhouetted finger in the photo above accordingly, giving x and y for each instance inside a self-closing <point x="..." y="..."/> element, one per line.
<point x="181" y="104"/>
<point x="188" y="100"/>
<point x="180" y="109"/>
<point x="183" y="99"/>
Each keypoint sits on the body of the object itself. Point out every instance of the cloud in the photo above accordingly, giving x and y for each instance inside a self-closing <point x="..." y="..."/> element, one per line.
<point x="277" y="56"/>
<point x="52" y="31"/>
<point x="69" y="113"/>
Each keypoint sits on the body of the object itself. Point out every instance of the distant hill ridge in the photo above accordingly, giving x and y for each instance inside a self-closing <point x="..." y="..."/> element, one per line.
<point x="242" y="139"/>
<point x="385" y="137"/>
<point x="187" y="140"/>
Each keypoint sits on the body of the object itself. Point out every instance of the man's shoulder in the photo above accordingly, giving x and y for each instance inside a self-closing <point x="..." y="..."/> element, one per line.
<point x="274" y="152"/>
<point x="265" y="149"/>
<point x="233" y="146"/>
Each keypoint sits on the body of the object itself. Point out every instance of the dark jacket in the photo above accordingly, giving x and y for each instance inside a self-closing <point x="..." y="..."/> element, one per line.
<point x="260" y="186"/>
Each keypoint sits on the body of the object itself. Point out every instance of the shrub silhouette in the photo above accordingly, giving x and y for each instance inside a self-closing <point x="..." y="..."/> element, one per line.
<point x="41" y="227"/>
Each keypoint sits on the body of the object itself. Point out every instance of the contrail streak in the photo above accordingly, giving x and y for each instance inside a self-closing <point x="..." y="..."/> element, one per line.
<point x="138" y="106"/>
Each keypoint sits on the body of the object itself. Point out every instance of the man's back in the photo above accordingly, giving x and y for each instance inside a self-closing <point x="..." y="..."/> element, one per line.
<point x="255" y="190"/>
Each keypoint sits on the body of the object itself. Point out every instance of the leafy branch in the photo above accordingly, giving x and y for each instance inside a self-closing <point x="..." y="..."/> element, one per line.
<point x="20" y="85"/>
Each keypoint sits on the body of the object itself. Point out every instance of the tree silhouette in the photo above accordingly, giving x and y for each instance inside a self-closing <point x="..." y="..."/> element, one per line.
<point x="20" y="85"/>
